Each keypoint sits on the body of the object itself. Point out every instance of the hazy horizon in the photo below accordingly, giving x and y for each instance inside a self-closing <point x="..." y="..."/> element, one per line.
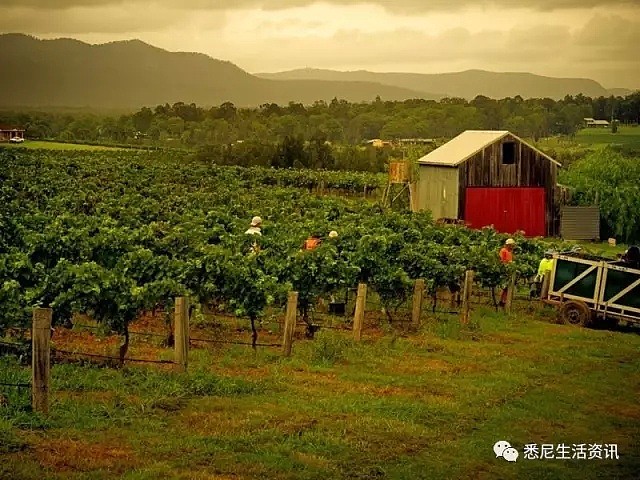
<point x="562" y="38"/>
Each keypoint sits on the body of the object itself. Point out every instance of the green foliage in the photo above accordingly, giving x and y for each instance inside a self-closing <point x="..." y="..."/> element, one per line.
<point x="322" y="135"/>
<point x="114" y="234"/>
<point x="610" y="180"/>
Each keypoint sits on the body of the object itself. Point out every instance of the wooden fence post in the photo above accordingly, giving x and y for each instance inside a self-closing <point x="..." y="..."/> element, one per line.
<point x="181" y="335"/>
<point x="358" y="318"/>
<point x="40" y="359"/>
<point x="546" y="283"/>
<point x="289" y="323"/>
<point x="510" y="293"/>
<point x="467" y="288"/>
<point x="418" y="293"/>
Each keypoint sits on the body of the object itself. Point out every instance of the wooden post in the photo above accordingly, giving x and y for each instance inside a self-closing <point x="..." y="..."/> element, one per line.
<point x="358" y="318"/>
<point x="510" y="292"/>
<point x="40" y="359"/>
<point x="289" y="323"/>
<point x="467" y="288"/>
<point x="418" y="293"/>
<point x="181" y="326"/>
<point x="546" y="283"/>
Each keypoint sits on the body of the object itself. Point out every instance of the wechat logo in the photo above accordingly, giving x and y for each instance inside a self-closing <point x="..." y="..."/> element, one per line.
<point x="505" y="450"/>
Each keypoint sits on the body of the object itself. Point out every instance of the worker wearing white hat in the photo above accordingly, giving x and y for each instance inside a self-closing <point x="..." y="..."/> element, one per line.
<point x="506" y="256"/>
<point x="333" y="234"/>
<point x="254" y="229"/>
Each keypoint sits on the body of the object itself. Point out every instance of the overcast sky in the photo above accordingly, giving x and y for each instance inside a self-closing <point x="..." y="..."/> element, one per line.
<point x="598" y="39"/>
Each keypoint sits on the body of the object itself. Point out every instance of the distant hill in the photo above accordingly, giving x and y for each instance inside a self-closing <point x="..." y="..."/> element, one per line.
<point x="620" y="92"/>
<point x="466" y="84"/>
<point x="131" y="74"/>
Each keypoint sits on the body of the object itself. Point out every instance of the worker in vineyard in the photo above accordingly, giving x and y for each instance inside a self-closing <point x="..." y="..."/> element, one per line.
<point x="256" y="226"/>
<point x="631" y="257"/>
<point x="255" y="229"/>
<point x="312" y="242"/>
<point x="506" y="257"/>
<point x="333" y="234"/>
<point x="545" y="266"/>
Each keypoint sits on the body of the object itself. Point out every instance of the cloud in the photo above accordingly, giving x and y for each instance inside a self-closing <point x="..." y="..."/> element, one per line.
<point x="106" y="19"/>
<point x="604" y="47"/>
<point x="390" y="5"/>
<point x="408" y="35"/>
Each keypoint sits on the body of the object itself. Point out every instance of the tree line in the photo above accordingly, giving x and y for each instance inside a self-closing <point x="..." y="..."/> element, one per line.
<point x="324" y="134"/>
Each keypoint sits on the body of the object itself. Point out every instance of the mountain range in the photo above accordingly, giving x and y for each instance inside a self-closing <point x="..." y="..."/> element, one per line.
<point x="467" y="84"/>
<point x="131" y="74"/>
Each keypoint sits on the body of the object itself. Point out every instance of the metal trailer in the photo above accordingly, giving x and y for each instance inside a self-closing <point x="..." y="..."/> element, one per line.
<point x="586" y="290"/>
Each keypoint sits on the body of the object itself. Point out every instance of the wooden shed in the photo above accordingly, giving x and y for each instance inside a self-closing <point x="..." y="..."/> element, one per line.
<point x="487" y="177"/>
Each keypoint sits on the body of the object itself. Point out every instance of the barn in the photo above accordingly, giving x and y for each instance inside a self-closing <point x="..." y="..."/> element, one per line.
<point x="8" y="132"/>
<point x="487" y="177"/>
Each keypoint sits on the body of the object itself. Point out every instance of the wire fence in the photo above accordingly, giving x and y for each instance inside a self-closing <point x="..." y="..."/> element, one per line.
<point x="109" y="357"/>
<point x="131" y="332"/>
<point x="232" y="342"/>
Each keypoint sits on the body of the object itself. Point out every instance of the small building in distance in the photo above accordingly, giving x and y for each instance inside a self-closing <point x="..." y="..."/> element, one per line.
<point x="8" y="132"/>
<point x="490" y="178"/>
<point x="592" y="123"/>
<point x="416" y="141"/>
<point x="378" y="143"/>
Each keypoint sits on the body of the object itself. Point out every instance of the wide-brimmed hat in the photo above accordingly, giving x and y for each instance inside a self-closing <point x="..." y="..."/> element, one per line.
<point x="510" y="241"/>
<point x="255" y="221"/>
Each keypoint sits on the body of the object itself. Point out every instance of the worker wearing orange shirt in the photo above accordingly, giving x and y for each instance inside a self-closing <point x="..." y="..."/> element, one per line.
<point x="506" y="256"/>
<point x="311" y="243"/>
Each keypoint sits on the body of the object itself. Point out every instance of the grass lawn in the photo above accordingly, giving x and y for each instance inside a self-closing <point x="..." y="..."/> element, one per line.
<point x="36" y="144"/>
<point x="426" y="405"/>
<point x="626" y="136"/>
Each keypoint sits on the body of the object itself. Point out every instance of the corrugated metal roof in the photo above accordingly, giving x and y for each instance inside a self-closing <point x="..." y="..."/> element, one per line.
<point x="462" y="147"/>
<point x="466" y="145"/>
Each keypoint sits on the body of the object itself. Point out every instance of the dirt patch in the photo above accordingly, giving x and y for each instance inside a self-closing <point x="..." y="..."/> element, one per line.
<point x="319" y="383"/>
<point x="215" y="422"/>
<point x="505" y="339"/>
<point x="241" y="371"/>
<point x="66" y="455"/>
<point x="419" y="365"/>
<point x="623" y="410"/>
<point x="312" y="460"/>
<point x="85" y="396"/>
<point x="191" y="475"/>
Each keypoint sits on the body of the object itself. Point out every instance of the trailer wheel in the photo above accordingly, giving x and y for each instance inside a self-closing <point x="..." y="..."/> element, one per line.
<point x="576" y="313"/>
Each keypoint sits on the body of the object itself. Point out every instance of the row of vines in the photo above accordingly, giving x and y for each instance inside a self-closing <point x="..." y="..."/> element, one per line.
<point x="115" y="234"/>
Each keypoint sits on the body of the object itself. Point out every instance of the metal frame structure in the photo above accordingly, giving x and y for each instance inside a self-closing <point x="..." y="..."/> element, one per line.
<point x="595" y="302"/>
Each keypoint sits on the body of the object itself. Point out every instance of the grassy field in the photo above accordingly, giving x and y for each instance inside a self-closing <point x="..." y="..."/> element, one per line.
<point x="626" y="136"/>
<point x="426" y="405"/>
<point x="35" y="144"/>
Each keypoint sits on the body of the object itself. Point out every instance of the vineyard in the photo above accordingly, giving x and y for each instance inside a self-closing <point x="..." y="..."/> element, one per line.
<point x="114" y="235"/>
<point x="110" y="240"/>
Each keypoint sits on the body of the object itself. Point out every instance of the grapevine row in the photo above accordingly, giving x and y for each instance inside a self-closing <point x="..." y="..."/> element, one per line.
<point x="116" y="234"/>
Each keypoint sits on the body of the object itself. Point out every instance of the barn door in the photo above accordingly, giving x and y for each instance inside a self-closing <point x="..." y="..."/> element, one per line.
<point x="507" y="209"/>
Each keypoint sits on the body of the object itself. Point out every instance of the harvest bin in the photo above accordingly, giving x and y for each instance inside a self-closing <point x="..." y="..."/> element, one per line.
<point x="587" y="290"/>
